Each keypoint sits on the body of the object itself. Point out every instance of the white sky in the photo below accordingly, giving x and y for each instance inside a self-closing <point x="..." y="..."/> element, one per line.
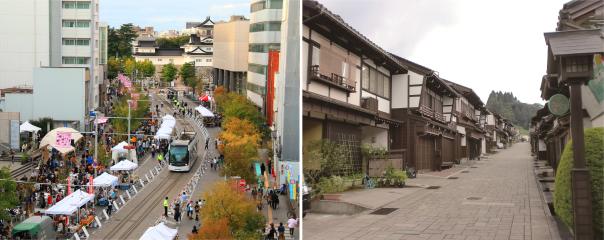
<point x="485" y="45"/>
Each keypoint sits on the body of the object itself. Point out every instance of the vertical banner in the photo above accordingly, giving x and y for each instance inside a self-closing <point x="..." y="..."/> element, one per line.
<point x="69" y="185"/>
<point x="291" y="191"/>
<point x="257" y="167"/>
<point x="273" y="68"/>
<point x="63" y="139"/>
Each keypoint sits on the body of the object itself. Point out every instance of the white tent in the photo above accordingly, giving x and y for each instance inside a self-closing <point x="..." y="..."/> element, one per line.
<point x="168" y="124"/>
<point x="162" y="136"/>
<point x="125" y="165"/>
<point x="204" y="111"/>
<point x="51" y="139"/>
<point x="28" y="127"/>
<point x="168" y="118"/>
<point x="70" y="204"/>
<point x="105" y="180"/>
<point x="120" y="147"/>
<point x="159" y="232"/>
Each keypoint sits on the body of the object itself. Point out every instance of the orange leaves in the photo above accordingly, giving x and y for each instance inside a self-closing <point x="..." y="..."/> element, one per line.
<point x="218" y="229"/>
<point x="240" y="141"/>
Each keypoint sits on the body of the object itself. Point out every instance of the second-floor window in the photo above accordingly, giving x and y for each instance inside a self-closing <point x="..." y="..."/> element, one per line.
<point x="76" y="23"/>
<point x="76" y="42"/>
<point x="76" y="5"/>
<point x="433" y="101"/>
<point x="375" y="81"/>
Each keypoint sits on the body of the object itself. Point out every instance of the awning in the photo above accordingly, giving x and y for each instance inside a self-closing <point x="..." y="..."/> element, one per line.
<point x="58" y="139"/>
<point x="105" y="180"/>
<point x="120" y="147"/>
<point x="204" y="111"/>
<point x="125" y="165"/>
<point x="70" y="204"/>
<point x="28" y="127"/>
<point x="30" y="225"/>
<point x="159" y="232"/>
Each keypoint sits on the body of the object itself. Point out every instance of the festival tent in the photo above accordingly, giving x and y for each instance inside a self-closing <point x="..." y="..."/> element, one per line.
<point x="70" y="204"/>
<point x="105" y="180"/>
<point x="204" y="111"/>
<point x="120" y="147"/>
<point x="28" y="127"/>
<point x="125" y="165"/>
<point x="159" y="232"/>
<point x="59" y="139"/>
<point x="101" y="120"/>
<point x="168" y="117"/>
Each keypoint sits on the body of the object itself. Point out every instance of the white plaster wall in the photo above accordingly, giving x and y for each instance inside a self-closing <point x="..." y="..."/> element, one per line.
<point x="256" y="78"/>
<point x="318" y="88"/>
<point x="400" y="94"/>
<point x="255" y="98"/>
<point x="21" y="103"/>
<point x="265" y="37"/>
<point x="369" y="134"/>
<point x="338" y="95"/>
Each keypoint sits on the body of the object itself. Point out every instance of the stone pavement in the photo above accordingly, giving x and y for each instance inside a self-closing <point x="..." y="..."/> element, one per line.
<point x="497" y="198"/>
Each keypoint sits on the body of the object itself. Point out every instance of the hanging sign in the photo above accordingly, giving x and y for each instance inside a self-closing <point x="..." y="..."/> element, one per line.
<point x="558" y="104"/>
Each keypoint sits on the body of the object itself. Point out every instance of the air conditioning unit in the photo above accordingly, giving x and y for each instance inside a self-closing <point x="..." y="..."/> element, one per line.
<point x="369" y="104"/>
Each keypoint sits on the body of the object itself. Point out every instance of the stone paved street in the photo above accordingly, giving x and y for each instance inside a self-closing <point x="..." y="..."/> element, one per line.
<point x="507" y="205"/>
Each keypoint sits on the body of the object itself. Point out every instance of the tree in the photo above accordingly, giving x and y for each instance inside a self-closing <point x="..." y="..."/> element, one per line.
<point x="129" y="66"/>
<point x="120" y="41"/>
<point x="187" y="73"/>
<point x="168" y="72"/>
<point x="175" y="42"/>
<point x="219" y="229"/>
<point x="43" y="123"/>
<point x="240" y="148"/>
<point x="114" y="66"/>
<point x="145" y="68"/>
<point x="226" y="203"/>
<point x="8" y="193"/>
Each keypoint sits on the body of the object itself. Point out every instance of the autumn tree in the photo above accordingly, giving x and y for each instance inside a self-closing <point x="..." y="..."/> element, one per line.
<point x="129" y="66"/>
<point x="145" y="68"/>
<point x="240" y="141"/>
<point x="227" y="205"/>
<point x="114" y="66"/>
<point x="187" y="72"/>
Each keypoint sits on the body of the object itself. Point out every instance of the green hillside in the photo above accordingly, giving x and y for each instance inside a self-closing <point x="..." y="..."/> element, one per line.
<point x="506" y="105"/>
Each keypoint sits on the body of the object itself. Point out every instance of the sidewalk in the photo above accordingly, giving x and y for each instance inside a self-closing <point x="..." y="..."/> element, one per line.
<point x="496" y="198"/>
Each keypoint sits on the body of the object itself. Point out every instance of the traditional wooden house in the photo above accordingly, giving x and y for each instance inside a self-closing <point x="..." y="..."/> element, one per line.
<point x="470" y="135"/>
<point x="424" y="102"/>
<point x="347" y="89"/>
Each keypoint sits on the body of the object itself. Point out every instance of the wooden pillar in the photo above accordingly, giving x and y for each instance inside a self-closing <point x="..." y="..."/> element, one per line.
<point x="580" y="177"/>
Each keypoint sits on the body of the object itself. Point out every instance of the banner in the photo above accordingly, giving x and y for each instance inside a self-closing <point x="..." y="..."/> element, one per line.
<point x="63" y="139"/>
<point x="258" y="171"/>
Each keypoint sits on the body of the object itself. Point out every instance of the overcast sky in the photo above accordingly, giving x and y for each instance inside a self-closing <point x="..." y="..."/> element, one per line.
<point x="484" y="45"/>
<point x="169" y="14"/>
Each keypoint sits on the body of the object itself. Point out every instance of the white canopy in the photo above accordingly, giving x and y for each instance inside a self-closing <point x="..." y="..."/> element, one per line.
<point x="204" y="111"/>
<point x="168" y="117"/>
<point x="70" y="204"/>
<point x="159" y="232"/>
<point x="51" y="139"/>
<point x="125" y="165"/>
<point x="120" y="147"/>
<point x="162" y="136"/>
<point x="105" y="180"/>
<point x="28" y="127"/>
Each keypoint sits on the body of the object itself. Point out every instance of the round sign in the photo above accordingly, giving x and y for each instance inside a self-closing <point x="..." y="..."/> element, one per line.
<point x="558" y="104"/>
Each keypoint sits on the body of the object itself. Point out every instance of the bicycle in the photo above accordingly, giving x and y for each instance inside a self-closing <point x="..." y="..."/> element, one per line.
<point x="369" y="183"/>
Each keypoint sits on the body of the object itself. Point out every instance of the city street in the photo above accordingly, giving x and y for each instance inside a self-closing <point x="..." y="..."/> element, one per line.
<point x="497" y="198"/>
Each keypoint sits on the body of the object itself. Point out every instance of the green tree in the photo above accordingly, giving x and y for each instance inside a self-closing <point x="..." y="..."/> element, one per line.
<point x="8" y="193"/>
<point x="187" y="73"/>
<point x="114" y="66"/>
<point x="120" y="41"/>
<point x="129" y="66"/>
<point x="174" y="42"/>
<point x="168" y="72"/>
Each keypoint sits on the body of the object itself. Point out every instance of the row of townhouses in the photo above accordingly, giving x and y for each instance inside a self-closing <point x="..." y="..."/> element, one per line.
<point x="356" y="93"/>
<point x="53" y="61"/>
<point x="575" y="53"/>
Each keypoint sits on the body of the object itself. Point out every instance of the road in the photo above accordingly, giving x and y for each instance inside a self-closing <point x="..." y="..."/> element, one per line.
<point x="131" y="221"/>
<point x="497" y="198"/>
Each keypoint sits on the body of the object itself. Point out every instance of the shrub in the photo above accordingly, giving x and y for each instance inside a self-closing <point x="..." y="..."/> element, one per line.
<point x="333" y="184"/>
<point x="594" y="157"/>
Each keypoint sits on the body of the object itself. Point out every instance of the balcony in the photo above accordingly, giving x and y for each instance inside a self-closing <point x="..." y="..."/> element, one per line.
<point x="426" y="111"/>
<point x="334" y="80"/>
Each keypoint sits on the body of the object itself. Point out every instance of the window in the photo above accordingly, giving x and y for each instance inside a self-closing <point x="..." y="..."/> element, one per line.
<point x="159" y="59"/>
<point x="365" y="79"/>
<point x="257" y="68"/>
<point x="265" y="26"/>
<point x="76" y="23"/>
<point x="209" y="60"/>
<point x="263" y="47"/>
<point x="255" y="88"/>
<point x="69" y="5"/>
<point x="74" y="42"/>
<point x="75" y="60"/>
<point x="375" y="81"/>
<point x="345" y="70"/>
<point x="76" y="5"/>
<point x="69" y="42"/>
<point x="316" y="56"/>
<point x="83" y="5"/>
<point x="197" y="60"/>
<point x="266" y="4"/>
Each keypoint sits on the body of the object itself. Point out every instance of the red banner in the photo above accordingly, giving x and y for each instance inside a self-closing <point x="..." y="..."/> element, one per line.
<point x="273" y="68"/>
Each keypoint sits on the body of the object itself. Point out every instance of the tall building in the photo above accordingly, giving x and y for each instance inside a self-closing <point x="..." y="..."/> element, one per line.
<point x="287" y="95"/>
<point x="55" y="33"/>
<point x="265" y="35"/>
<point x="231" y="51"/>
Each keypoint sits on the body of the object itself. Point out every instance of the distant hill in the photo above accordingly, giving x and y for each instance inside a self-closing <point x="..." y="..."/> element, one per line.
<point x="506" y="105"/>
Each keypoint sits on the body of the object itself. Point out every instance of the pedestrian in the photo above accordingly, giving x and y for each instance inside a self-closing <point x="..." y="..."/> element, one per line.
<point x="275" y="200"/>
<point x="262" y="169"/>
<point x="194" y="230"/>
<point x="166" y="206"/>
<point x="291" y="224"/>
<point x="177" y="212"/>
<point x="183" y="197"/>
<point x="190" y="210"/>
<point x="160" y="158"/>
<point x="271" y="232"/>
<point x="254" y="193"/>
<point x="281" y="230"/>
<point x="207" y="142"/>
<point x="109" y="208"/>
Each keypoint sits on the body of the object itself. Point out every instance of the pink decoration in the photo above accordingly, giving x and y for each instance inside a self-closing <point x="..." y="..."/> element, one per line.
<point x="63" y="139"/>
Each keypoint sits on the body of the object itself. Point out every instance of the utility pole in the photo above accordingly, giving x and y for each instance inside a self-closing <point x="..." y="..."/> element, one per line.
<point x="96" y="144"/>
<point x="129" y="102"/>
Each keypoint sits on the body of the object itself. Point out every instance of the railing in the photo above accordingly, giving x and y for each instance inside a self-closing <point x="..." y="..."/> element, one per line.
<point x="431" y="113"/>
<point x="333" y="79"/>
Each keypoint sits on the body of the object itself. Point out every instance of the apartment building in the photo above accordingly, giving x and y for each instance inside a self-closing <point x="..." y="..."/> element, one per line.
<point x="264" y="36"/>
